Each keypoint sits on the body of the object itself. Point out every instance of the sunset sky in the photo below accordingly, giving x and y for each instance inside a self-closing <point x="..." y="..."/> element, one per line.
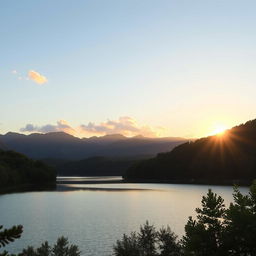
<point x="156" y="68"/>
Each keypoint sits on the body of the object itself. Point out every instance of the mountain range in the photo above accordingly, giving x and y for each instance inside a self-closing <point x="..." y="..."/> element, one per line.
<point x="60" y="145"/>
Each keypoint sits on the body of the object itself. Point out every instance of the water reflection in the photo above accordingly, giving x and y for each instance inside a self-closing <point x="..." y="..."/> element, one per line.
<point x="107" y="184"/>
<point x="62" y="179"/>
<point x="74" y="187"/>
<point x="94" y="213"/>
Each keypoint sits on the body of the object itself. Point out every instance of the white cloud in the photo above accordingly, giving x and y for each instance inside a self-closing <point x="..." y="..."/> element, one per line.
<point x="36" y="77"/>
<point x="125" y="125"/>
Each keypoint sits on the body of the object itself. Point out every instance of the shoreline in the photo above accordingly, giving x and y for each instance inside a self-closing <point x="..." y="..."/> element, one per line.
<point x="192" y="182"/>
<point x="28" y="188"/>
<point x="53" y="186"/>
<point x="226" y="182"/>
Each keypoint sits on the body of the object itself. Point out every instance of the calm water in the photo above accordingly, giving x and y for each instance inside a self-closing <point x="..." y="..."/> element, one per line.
<point x="94" y="216"/>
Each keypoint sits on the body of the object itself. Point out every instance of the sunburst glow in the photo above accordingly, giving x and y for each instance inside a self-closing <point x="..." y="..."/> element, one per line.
<point x="219" y="129"/>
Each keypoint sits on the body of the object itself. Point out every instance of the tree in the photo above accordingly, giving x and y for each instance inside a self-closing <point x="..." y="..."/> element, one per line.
<point x="128" y="246"/>
<point x="204" y="235"/>
<point x="148" y="242"/>
<point x="9" y="235"/>
<point x="147" y="239"/>
<point x="240" y="221"/>
<point x="61" y="248"/>
<point x="167" y="242"/>
<point x="216" y="231"/>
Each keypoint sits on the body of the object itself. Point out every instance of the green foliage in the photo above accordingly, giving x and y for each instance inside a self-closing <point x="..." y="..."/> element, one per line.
<point x="17" y="169"/>
<point x="148" y="242"/>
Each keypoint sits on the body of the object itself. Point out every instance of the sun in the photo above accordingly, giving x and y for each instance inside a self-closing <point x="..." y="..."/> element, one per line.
<point x="219" y="129"/>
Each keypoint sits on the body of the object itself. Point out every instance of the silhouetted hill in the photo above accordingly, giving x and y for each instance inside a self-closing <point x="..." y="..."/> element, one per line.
<point x="16" y="169"/>
<point x="139" y="146"/>
<point x="95" y="166"/>
<point x="37" y="146"/>
<point x="111" y="138"/>
<point x="60" y="145"/>
<point x="214" y="159"/>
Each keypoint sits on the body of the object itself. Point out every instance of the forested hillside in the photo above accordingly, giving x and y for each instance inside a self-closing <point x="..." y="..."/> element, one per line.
<point x="16" y="169"/>
<point x="220" y="158"/>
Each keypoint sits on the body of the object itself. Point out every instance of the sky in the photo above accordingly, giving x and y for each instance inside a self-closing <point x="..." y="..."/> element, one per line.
<point x="156" y="68"/>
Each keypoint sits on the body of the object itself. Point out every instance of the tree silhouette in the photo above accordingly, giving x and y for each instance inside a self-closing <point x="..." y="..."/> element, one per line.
<point x="204" y="235"/>
<point x="241" y="223"/>
<point x="216" y="231"/>
<point x="148" y="242"/>
<point x="61" y="248"/>
<point x="9" y="235"/>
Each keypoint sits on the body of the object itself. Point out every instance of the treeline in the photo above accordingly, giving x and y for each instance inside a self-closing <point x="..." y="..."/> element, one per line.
<point x="226" y="158"/>
<point x="16" y="169"/>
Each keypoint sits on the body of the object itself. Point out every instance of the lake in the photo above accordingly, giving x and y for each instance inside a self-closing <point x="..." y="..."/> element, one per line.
<point x="93" y="212"/>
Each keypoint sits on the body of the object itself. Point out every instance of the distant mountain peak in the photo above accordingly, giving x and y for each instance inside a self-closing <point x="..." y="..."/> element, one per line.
<point x="106" y="138"/>
<point x="13" y="134"/>
<point x="59" y="134"/>
<point x="61" y="145"/>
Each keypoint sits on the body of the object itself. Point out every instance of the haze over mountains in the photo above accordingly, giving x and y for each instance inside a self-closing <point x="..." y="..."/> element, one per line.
<point x="60" y="145"/>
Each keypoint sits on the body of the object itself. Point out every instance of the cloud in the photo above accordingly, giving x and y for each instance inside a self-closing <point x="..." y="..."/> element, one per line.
<point x="61" y="126"/>
<point x="36" y="77"/>
<point x="124" y="125"/>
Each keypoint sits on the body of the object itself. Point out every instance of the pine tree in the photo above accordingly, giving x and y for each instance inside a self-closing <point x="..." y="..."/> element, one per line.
<point x="9" y="235"/>
<point x="204" y="235"/>
<point x="241" y="223"/>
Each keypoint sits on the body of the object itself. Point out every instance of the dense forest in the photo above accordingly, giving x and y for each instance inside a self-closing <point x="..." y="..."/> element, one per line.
<point x="16" y="169"/>
<point x="224" y="158"/>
